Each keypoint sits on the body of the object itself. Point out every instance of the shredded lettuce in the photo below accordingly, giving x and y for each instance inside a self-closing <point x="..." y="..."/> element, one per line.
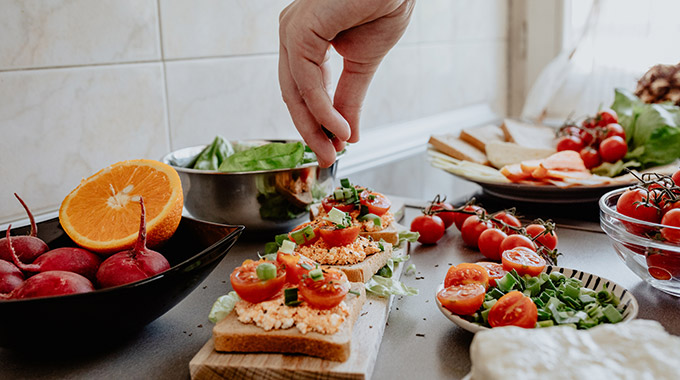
<point x="409" y="236"/>
<point x="223" y="306"/>
<point x="265" y="157"/>
<point x="385" y="287"/>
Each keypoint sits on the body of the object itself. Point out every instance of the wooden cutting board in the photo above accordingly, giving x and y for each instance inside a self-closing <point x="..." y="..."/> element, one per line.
<point x="209" y="364"/>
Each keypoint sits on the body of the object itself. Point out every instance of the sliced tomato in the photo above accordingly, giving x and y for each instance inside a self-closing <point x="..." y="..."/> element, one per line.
<point x="329" y="202"/>
<point x="336" y="237"/>
<point x="467" y="273"/>
<point x="514" y="309"/>
<point x="295" y="265"/>
<point x="248" y="286"/>
<point x="462" y="299"/>
<point x="327" y="292"/>
<point x="495" y="270"/>
<point x="523" y="260"/>
<point x="377" y="203"/>
<point x="307" y="240"/>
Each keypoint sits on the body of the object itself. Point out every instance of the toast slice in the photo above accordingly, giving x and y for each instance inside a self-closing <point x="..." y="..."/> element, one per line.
<point x="479" y="137"/>
<point x="363" y="271"/>
<point x="501" y="154"/>
<point x="529" y="135"/>
<point x="230" y="335"/>
<point x="457" y="148"/>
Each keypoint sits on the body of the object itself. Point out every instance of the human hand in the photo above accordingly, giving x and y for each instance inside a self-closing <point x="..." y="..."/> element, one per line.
<point x="362" y="32"/>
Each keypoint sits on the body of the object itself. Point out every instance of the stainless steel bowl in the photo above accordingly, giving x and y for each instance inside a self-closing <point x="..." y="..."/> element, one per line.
<point x="272" y="201"/>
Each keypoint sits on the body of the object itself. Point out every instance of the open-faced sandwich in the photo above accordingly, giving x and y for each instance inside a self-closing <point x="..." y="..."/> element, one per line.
<point x="369" y="210"/>
<point x="291" y="305"/>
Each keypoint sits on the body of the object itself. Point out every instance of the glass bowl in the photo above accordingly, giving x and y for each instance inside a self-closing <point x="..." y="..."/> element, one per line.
<point x="640" y="245"/>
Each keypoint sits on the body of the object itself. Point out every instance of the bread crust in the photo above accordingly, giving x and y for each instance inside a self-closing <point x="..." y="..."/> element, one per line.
<point x="231" y="335"/>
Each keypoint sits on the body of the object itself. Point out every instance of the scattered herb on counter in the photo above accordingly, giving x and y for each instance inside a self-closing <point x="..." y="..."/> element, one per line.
<point x="382" y="284"/>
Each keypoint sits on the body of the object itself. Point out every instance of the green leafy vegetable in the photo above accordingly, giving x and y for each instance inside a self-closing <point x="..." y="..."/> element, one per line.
<point x="214" y="154"/>
<point x="266" y="157"/>
<point x="385" y="287"/>
<point x="409" y="236"/>
<point x="223" y="306"/>
<point x="608" y="169"/>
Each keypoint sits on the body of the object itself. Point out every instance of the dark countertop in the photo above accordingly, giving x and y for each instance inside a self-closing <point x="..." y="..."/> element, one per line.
<point x="165" y="347"/>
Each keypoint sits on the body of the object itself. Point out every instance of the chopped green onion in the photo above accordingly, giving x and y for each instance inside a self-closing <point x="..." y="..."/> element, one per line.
<point x="495" y="293"/>
<point x="345" y="182"/>
<point x="338" y="194"/>
<point x="546" y="323"/>
<point x="279" y="239"/>
<point x="309" y="233"/>
<point x="266" y="271"/>
<point x="375" y="218"/>
<point x="612" y="314"/>
<point x="287" y="247"/>
<point x="271" y="247"/>
<point x="507" y="283"/>
<point x="290" y="297"/>
<point x="354" y="292"/>
<point x="298" y="236"/>
<point x="306" y="266"/>
<point x="316" y="274"/>
<point x="488" y="304"/>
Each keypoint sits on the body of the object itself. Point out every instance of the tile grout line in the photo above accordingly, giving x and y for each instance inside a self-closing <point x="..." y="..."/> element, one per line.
<point x="166" y="99"/>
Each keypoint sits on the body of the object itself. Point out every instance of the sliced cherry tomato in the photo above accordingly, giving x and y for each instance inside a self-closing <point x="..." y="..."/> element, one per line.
<point x="327" y="292"/>
<point x="613" y="149"/>
<point x="496" y="271"/>
<point x="547" y="240"/>
<point x="329" y="202"/>
<point x="377" y="203"/>
<point x="606" y="116"/>
<point x="467" y="273"/>
<point x="472" y="228"/>
<point x="295" y="265"/>
<point x="508" y="219"/>
<point x="523" y="260"/>
<point x="633" y="203"/>
<point x="336" y="237"/>
<point x="489" y="243"/>
<point x="462" y="299"/>
<point x="570" y="143"/>
<point x="514" y="241"/>
<point x="461" y="217"/>
<point x="514" y="309"/>
<point x="447" y="217"/>
<point x="430" y="227"/>
<point x="663" y="266"/>
<point x="591" y="157"/>
<point x="307" y="240"/>
<point x="248" y="286"/>
<point x="672" y="220"/>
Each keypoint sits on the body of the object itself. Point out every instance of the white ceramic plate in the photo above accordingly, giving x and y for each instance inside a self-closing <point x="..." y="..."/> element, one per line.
<point x="591" y="281"/>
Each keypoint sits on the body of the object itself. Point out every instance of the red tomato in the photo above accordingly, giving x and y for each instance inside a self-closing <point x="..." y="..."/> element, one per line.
<point x="523" y="260"/>
<point x="589" y="123"/>
<point x="671" y="219"/>
<point x="462" y="299"/>
<point x="307" y="241"/>
<point x="676" y="178"/>
<point x="327" y="292"/>
<point x="615" y="129"/>
<point x="336" y="237"/>
<point x="461" y="217"/>
<point x="513" y="241"/>
<point x="377" y="203"/>
<point x="508" y="219"/>
<point x="630" y="204"/>
<point x="496" y="271"/>
<point x="489" y="243"/>
<point x="570" y="143"/>
<point x="248" y="286"/>
<point x="547" y="240"/>
<point x="606" y="116"/>
<point x="591" y="158"/>
<point x="570" y="131"/>
<point x="663" y="265"/>
<point x="295" y="264"/>
<point x="613" y="149"/>
<point x="447" y="217"/>
<point x="467" y="273"/>
<point x="587" y="137"/>
<point x="329" y="202"/>
<point x="514" y="309"/>
<point x="472" y="228"/>
<point x="430" y="227"/>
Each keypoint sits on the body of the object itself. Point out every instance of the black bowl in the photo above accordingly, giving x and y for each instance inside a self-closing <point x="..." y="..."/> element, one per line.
<point x="115" y="313"/>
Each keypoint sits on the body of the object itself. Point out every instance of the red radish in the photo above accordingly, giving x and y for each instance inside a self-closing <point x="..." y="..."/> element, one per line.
<point x="50" y="283"/>
<point x="132" y="265"/>
<point x="28" y="247"/>
<point x="76" y="260"/>
<point x="10" y="277"/>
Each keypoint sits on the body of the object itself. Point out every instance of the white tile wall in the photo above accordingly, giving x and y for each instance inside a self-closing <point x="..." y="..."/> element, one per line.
<point x="61" y="125"/>
<point x="42" y="33"/>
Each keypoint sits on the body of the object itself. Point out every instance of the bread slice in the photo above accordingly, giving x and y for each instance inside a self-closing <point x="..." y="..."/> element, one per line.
<point x="480" y="136"/>
<point x="529" y="135"/>
<point x="457" y="148"/>
<point x="363" y="271"/>
<point x="230" y="335"/>
<point x="501" y="154"/>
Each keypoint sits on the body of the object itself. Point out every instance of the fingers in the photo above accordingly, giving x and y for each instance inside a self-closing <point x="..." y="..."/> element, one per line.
<point x="351" y="91"/>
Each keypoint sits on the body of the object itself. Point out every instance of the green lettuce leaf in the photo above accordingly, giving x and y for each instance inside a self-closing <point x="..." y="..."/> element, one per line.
<point x="266" y="157"/>
<point x="214" y="154"/>
<point x="223" y="306"/>
<point x="608" y="169"/>
<point x="385" y="287"/>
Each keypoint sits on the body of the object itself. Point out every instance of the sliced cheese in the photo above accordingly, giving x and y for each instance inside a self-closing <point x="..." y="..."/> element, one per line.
<point x="506" y="153"/>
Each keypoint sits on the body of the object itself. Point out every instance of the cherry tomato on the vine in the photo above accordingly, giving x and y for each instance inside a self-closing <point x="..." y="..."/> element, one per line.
<point x="613" y="149"/>
<point x="430" y="227"/>
<point x="570" y="143"/>
<point x="472" y="228"/>
<point x="591" y="158"/>
<point x="461" y="217"/>
<point x="615" y="129"/>
<point x="489" y="243"/>
<point x="548" y="240"/>
<point x="508" y="219"/>
<point x="447" y="217"/>
<point x="514" y="241"/>
<point x="607" y="116"/>
<point x="637" y="204"/>
<point x="672" y="220"/>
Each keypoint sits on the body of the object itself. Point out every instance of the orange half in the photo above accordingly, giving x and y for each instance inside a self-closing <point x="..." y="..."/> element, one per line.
<point x="102" y="214"/>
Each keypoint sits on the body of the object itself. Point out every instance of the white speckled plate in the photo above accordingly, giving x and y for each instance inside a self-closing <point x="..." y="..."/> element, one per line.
<point x="591" y="281"/>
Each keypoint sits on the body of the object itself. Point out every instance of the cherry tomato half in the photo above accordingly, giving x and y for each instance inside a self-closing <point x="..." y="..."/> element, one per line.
<point x="462" y="299"/>
<point x="327" y="292"/>
<point x="447" y="217"/>
<point x="308" y="241"/>
<point x="295" y="265"/>
<point x="329" y="202"/>
<point x="461" y="217"/>
<point x="467" y="273"/>
<point x="489" y="243"/>
<point x="377" y="203"/>
<point x="496" y="271"/>
<point x="430" y="227"/>
<point x="336" y="237"/>
<point x="472" y="228"/>
<point x="514" y="309"/>
<point x="523" y="260"/>
<point x="248" y="286"/>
